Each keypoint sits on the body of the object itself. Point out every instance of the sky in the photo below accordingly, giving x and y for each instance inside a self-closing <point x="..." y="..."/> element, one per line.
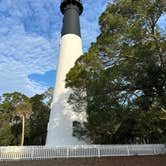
<point x="29" y="41"/>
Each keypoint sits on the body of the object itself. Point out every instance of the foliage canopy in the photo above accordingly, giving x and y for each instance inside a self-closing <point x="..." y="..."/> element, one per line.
<point x="121" y="81"/>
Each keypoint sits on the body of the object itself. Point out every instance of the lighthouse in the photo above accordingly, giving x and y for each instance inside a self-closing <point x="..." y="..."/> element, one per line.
<point x="60" y="126"/>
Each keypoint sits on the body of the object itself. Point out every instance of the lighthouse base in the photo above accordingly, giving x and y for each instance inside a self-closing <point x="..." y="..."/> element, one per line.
<point x="60" y="127"/>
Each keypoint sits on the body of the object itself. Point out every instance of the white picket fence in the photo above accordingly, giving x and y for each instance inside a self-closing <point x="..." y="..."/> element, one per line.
<point x="83" y="151"/>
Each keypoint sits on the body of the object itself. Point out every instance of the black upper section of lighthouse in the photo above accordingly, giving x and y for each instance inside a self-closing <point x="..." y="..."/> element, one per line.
<point x="71" y="9"/>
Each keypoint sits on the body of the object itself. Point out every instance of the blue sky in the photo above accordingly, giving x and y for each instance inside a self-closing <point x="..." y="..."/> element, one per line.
<point x="29" y="41"/>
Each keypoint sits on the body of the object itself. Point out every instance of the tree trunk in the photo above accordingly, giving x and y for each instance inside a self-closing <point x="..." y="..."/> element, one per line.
<point x="23" y="126"/>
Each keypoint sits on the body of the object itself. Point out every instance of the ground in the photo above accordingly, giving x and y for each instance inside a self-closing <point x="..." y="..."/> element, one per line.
<point x="105" y="161"/>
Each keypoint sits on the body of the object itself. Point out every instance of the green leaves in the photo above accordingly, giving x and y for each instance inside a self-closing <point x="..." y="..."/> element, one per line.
<point x="121" y="81"/>
<point x="36" y="109"/>
<point x="24" y="109"/>
<point x="39" y="120"/>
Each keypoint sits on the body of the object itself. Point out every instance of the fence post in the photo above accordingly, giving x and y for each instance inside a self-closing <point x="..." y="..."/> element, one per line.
<point x="32" y="154"/>
<point x="67" y="152"/>
<point x="154" y="151"/>
<point x="98" y="151"/>
<point x="128" y="151"/>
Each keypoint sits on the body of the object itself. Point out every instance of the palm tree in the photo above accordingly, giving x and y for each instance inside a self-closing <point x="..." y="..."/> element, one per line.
<point x="23" y="110"/>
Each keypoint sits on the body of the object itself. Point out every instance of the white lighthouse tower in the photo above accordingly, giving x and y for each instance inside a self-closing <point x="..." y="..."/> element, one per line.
<point x="61" y="118"/>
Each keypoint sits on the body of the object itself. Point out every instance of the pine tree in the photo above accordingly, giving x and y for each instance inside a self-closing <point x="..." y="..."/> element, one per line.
<point x="121" y="81"/>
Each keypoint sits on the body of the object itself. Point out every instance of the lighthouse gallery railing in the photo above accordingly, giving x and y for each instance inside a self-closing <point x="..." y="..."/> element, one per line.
<point x="83" y="151"/>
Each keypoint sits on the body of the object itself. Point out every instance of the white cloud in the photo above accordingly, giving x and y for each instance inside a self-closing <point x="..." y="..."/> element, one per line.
<point x="29" y="39"/>
<point x="22" y="55"/>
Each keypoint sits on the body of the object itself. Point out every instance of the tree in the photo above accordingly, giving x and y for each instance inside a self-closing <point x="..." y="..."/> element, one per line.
<point x="14" y="109"/>
<point x="24" y="110"/>
<point x="6" y="135"/>
<point x="10" y="123"/>
<point x="39" y="120"/>
<point x="121" y="81"/>
<point x="48" y="95"/>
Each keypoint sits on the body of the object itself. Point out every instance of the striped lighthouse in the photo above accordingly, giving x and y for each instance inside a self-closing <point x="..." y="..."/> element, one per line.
<point x="60" y="126"/>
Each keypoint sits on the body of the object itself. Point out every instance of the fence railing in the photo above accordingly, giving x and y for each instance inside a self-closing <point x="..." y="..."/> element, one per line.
<point x="83" y="151"/>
